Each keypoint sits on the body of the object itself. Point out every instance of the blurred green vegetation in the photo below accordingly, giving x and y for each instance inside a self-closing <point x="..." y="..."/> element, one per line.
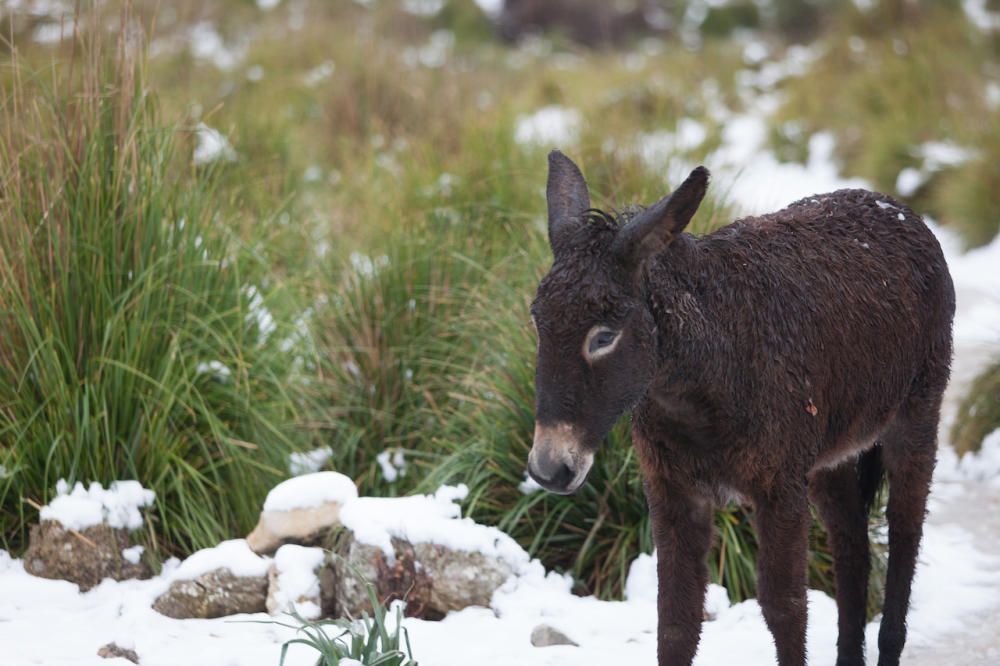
<point x="393" y="228"/>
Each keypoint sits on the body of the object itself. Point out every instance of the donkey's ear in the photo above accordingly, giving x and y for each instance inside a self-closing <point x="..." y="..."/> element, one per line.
<point x="567" y="196"/>
<point x="652" y="230"/>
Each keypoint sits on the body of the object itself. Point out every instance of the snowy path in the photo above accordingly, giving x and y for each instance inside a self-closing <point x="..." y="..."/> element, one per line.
<point x="975" y="509"/>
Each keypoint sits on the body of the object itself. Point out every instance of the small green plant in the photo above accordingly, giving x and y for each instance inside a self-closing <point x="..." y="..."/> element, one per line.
<point x="370" y="641"/>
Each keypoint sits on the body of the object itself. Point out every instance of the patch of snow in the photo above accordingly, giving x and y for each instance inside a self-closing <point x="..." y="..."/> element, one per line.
<point x="53" y="33"/>
<point x="755" y="52"/>
<point x="267" y="5"/>
<point x="207" y="44"/>
<point x="909" y="181"/>
<point x="212" y="146"/>
<point x="234" y="555"/>
<point x="392" y="464"/>
<point x="368" y="266"/>
<point x="258" y="312"/>
<point x="307" y="462"/>
<point x="981" y="15"/>
<point x="427" y="519"/>
<point x="984" y="464"/>
<point x="133" y="554"/>
<point x="319" y="73"/>
<point x="298" y="583"/>
<point x="255" y="73"/>
<point x="423" y="7"/>
<point x="992" y="95"/>
<point x="549" y="126"/>
<point x="434" y="53"/>
<point x="491" y="8"/>
<point x="217" y="369"/>
<point x="935" y="156"/>
<point x="118" y="506"/>
<point x="939" y="155"/>
<point x="529" y="485"/>
<point x="309" y="490"/>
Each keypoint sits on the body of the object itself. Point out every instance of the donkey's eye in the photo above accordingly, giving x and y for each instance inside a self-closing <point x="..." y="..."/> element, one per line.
<point x="600" y="341"/>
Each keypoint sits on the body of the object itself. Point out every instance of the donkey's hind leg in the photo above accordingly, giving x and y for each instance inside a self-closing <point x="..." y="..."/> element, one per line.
<point x="909" y="449"/>
<point x="840" y="500"/>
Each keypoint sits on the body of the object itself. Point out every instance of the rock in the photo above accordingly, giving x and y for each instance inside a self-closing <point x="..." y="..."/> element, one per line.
<point x="300" y="579"/>
<point x="216" y="593"/>
<point x="460" y="578"/>
<point x="306" y="526"/>
<point x="114" y="651"/>
<point x="85" y="557"/>
<point x="545" y="635"/>
<point x="301" y="510"/>
<point x="432" y="579"/>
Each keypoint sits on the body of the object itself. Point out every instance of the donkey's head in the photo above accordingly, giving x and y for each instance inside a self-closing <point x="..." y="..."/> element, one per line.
<point x="596" y="336"/>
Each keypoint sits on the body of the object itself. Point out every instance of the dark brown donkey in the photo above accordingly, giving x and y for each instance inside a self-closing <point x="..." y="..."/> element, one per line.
<point x="781" y="358"/>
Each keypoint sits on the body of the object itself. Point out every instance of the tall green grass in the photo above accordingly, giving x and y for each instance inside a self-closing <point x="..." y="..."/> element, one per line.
<point x="136" y="341"/>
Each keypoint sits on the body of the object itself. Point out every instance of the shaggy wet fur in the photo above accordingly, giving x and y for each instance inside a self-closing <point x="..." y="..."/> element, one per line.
<point x="782" y="358"/>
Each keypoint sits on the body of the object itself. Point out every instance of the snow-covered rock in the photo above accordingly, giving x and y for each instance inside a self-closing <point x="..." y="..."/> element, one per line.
<point x="85" y="557"/>
<point x="295" y="582"/>
<point x="420" y="549"/>
<point x="85" y="534"/>
<point x="214" y="582"/>
<point x="301" y="510"/>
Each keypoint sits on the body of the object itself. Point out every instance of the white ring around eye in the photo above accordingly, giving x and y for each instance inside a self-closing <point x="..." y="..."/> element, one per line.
<point x="603" y="351"/>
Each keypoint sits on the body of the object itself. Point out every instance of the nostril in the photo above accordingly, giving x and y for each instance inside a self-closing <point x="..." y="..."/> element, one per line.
<point x="563" y="476"/>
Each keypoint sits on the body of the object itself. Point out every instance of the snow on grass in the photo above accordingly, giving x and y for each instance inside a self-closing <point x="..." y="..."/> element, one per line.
<point x="212" y="146"/>
<point x="234" y="555"/>
<point x="133" y="554"/>
<point x="307" y="462"/>
<point x="309" y="490"/>
<point x="554" y="126"/>
<point x="981" y="15"/>
<point x="207" y="44"/>
<point x="392" y="463"/>
<point x="427" y="519"/>
<point x="751" y="177"/>
<point x="258" y="312"/>
<point x="216" y="368"/>
<point x="423" y="7"/>
<point x="79" y="508"/>
<point x="298" y="584"/>
<point x="934" y="156"/>
<point x="433" y="54"/>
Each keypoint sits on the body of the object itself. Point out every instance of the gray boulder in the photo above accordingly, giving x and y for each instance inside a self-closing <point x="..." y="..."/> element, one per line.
<point x="216" y="593"/>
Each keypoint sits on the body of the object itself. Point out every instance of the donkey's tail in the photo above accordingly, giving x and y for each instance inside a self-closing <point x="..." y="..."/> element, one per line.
<point x="870" y="473"/>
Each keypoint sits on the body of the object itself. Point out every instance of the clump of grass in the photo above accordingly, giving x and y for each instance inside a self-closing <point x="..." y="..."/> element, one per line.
<point x="370" y="641"/>
<point x="979" y="413"/>
<point x="136" y="343"/>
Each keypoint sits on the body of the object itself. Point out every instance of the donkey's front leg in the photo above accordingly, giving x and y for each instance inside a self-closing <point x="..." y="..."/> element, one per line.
<point x="682" y="531"/>
<point x="783" y="533"/>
